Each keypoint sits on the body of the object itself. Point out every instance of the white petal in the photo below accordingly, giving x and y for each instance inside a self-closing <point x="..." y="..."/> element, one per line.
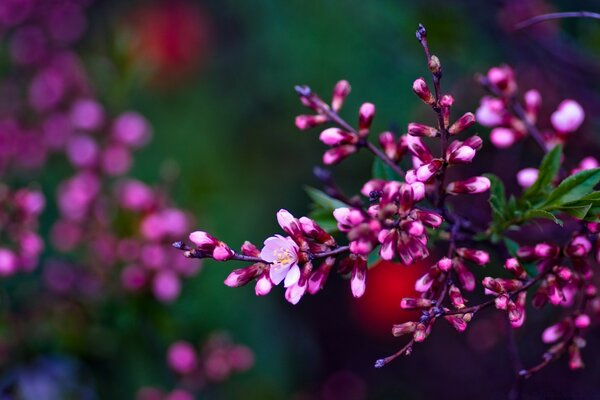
<point x="279" y="274"/>
<point x="292" y="276"/>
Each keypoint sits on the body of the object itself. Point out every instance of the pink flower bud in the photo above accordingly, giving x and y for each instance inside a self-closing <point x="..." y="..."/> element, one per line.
<point x="242" y="276"/>
<point x="579" y="246"/>
<point x="424" y="283"/>
<point x="337" y="154"/>
<point x="249" y="249"/>
<point x="203" y="240"/>
<point x="446" y="101"/>
<point x="416" y="129"/>
<point x="429" y="218"/>
<point x="87" y="114"/>
<point x="553" y="291"/>
<point x="263" y="284"/>
<point x="374" y="185"/>
<point x="575" y="361"/>
<point x="222" y="252"/>
<point x="491" y="112"/>
<point x="425" y="172"/>
<point x="462" y="155"/>
<point x="457" y="322"/>
<point x="8" y="262"/>
<point x="466" y="277"/>
<point x="304" y="122"/>
<point x="477" y="184"/>
<point x="479" y="257"/>
<point x="181" y="357"/>
<point x="527" y="177"/>
<point x="503" y="138"/>
<point x="418" y="189"/>
<point x="319" y="277"/>
<point x="474" y="142"/>
<point x="589" y="163"/>
<point x="418" y="149"/>
<point x="463" y="123"/>
<point x="456" y="297"/>
<point x="359" y="277"/>
<point x="340" y="92"/>
<point x="503" y="79"/>
<point x="546" y="250"/>
<point x="116" y="160"/>
<point x="582" y="321"/>
<point x="365" y="118"/>
<point x="565" y="274"/>
<point x="404" y="328"/>
<point x="311" y="229"/>
<point x="421" y="332"/>
<point x="533" y="101"/>
<point x="166" y="286"/>
<point x="337" y="137"/>
<point x="568" y="116"/>
<point x="408" y="303"/>
<point x="82" y="151"/>
<point x="387" y="141"/>
<point x="444" y="264"/>
<point x="513" y="265"/>
<point x="288" y="223"/>
<point x="131" y="129"/>
<point x="555" y="332"/>
<point x="420" y="88"/>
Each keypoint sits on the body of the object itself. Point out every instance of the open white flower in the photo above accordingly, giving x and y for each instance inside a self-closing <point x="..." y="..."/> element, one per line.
<point x="282" y="253"/>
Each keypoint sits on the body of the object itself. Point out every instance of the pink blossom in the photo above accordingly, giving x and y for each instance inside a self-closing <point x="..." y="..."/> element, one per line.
<point x="503" y="137"/>
<point x="166" y="286"/>
<point x="337" y="137"/>
<point x="263" y="284"/>
<point x="116" y="160"/>
<point x="304" y="122"/>
<point x="340" y="92"/>
<point x="527" y="177"/>
<point x="478" y="184"/>
<point x="463" y="123"/>
<point x="337" y="154"/>
<point x="87" y="114"/>
<point x="182" y="358"/>
<point x="365" y="118"/>
<point x="131" y="129"/>
<point x="8" y="262"/>
<point x="82" y="151"/>
<point x="282" y="253"/>
<point x="422" y="90"/>
<point x="568" y="116"/>
<point x="134" y="195"/>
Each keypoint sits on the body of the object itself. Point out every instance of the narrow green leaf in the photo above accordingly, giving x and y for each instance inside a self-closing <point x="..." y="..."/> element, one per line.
<point x="373" y="259"/>
<point x="497" y="198"/>
<point x="323" y="200"/>
<point x="547" y="171"/>
<point x="578" y="212"/>
<point x="383" y="171"/>
<point x="511" y="246"/>
<point x="531" y="214"/>
<point x="324" y="217"/>
<point x="573" y="188"/>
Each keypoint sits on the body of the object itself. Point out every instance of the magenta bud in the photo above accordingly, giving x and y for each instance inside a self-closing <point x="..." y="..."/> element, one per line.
<point x="582" y="321"/>
<point x="446" y="101"/>
<point x="546" y="250"/>
<point x="182" y="358"/>
<point x="456" y="297"/>
<point x="203" y="240"/>
<point x="421" y="130"/>
<point x="337" y="154"/>
<point x="527" y="177"/>
<point x="568" y="117"/>
<point x="374" y="185"/>
<point x="474" y="142"/>
<point x="427" y="171"/>
<point x="8" y="262"/>
<point x="463" y="123"/>
<point x="337" y="137"/>
<point x="249" y="249"/>
<point x="565" y="274"/>
<point x="503" y="79"/>
<point x="466" y="277"/>
<point x="513" y="265"/>
<point x="579" y="246"/>
<point x="222" y="252"/>
<point x="418" y="149"/>
<point x="533" y="102"/>
<point x="288" y="223"/>
<point x="429" y="218"/>
<point x="319" y="277"/>
<point x="243" y="276"/>
<point x="304" y="122"/>
<point x="422" y="90"/>
<point x="421" y="332"/>
<point x="387" y="141"/>
<point x="365" y="118"/>
<point x="457" y="322"/>
<point x="340" y="92"/>
<point x="263" y="284"/>
<point x="409" y="303"/>
<point x="503" y="138"/>
<point x="555" y="332"/>
<point x="477" y="184"/>
<point x="575" y="360"/>
<point x="444" y="264"/>
<point x="359" y="277"/>
<point x="462" y="155"/>
<point x="479" y="257"/>
<point x="403" y="329"/>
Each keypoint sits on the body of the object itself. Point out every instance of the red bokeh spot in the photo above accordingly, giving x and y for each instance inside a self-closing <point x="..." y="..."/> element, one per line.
<point x="387" y="284"/>
<point x="171" y="38"/>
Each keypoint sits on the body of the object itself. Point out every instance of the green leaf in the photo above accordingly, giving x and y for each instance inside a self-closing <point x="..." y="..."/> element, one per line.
<point x="547" y="171"/>
<point x="578" y="212"/>
<point x="324" y="217"/>
<point x="383" y="171"/>
<point x="323" y="200"/>
<point x="497" y="198"/>
<point x="573" y="188"/>
<point x="531" y="214"/>
<point x="511" y="246"/>
<point x="373" y="258"/>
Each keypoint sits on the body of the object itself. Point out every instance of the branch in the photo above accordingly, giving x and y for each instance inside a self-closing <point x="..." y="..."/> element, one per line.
<point x="552" y="16"/>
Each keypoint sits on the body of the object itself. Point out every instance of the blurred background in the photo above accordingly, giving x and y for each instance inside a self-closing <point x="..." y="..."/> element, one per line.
<point x="214" y="80"/>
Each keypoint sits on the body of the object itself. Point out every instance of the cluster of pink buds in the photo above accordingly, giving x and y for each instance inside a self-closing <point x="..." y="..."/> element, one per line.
<point x="22" y="245"/>
<point x="343" y="140"/>
<point x="512" y="121"/>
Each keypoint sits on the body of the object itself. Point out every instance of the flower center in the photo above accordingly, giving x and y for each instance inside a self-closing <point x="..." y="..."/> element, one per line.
<point x="283" y="257"/>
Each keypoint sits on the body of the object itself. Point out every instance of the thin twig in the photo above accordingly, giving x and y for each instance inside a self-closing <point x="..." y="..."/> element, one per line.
<point x="552" y="16"/>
